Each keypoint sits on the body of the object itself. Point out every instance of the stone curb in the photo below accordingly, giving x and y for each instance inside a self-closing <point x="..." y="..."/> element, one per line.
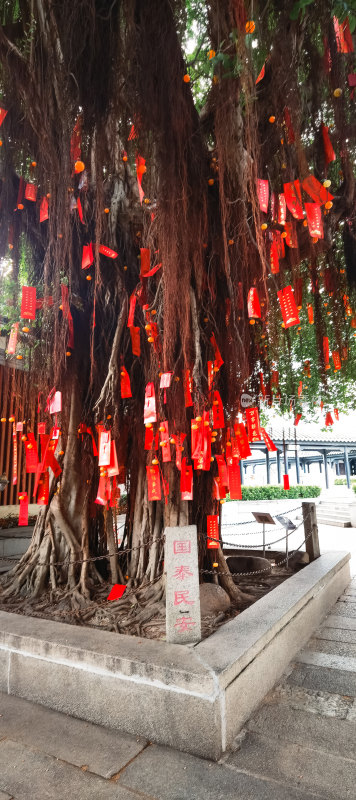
<point x="193" y="698"/>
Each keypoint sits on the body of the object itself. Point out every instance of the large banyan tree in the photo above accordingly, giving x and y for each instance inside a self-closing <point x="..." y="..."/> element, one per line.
<point x="177" y="184"/>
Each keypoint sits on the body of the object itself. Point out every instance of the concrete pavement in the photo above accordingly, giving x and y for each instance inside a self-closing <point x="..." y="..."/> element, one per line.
<point x="299" y="745"/>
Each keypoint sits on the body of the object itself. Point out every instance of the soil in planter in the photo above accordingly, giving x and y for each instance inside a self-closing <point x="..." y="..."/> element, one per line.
<point x="256" y="586"/>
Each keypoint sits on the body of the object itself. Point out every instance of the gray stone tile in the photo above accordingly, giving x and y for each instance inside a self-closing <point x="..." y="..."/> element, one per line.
<point x="325" y="680"/>
<point x="170" y="775"/>
<point x="311" y="769"/>
<point x="4" y="668"/>
<point x="345" y="623"/>
<point x="313" y="701"/>
<point x="339" y="648"/>
<point x="327" y="660"/>
<point x="4" y="796"/>
<point x="27" y="774"/>
<point x="335" y="635"/>
<point x="81" y="743"/>
<point x="305" y="728"/>
<point x="345" y="609"/>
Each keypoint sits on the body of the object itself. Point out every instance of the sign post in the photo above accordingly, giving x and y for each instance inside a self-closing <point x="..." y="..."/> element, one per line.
<point x="288" y="525"/>
<point x="264" y="519"/>
<point x="183" y="622"/>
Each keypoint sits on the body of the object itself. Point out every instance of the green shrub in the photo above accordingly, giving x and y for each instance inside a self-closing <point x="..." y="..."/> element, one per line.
<point x="343" y="481"/>
<point x="278" y="493"/>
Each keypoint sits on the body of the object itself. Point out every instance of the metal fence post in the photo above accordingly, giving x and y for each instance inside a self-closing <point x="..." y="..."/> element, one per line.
<point x="311" y="530"/>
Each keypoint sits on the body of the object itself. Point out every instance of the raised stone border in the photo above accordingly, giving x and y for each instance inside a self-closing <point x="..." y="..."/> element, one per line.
<point x="191" y="697"/>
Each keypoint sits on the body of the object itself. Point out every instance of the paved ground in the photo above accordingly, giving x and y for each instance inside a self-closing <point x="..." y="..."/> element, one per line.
<point x="299" y="745"/>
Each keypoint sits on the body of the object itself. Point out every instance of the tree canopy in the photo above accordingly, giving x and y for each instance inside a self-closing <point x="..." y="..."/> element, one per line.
<point x="178" y="185"/>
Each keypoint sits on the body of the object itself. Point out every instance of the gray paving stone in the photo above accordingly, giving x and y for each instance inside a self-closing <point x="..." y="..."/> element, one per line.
<point x="80" y="743"/>
<point x="327" y="660"/>
<point x="325" y="680"/>
<point x="4" y="796"/>
<point x="313" y="701"/>
<point x="305" y="728"/>
<point x="345" y="623"/>
<point x="340" y="648"/>
<point x="336" y="635"/>
<point x="311" y="769"/>
<point x="345" y="609"/>
<point x="170" y="775"/>
<point x="29" y="775"/>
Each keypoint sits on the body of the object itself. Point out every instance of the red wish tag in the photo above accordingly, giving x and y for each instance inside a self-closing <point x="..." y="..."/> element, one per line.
<point x="145" y="260"/>
<point x="164" y="443"/>
<point x="87" y="256"/>
<point x="31" y="192"/>
<point x="153" y="482"/>
<point x="117" y="591"/>
<point x="235" y="479"/>
<point x="28" y="303"/>
<point x="23" y="515"/>
<point x="11" y="347"/>
<point x="263" y="194"/>
<point x="125" y="385"/>
<point x="213" y="532"/>
<point x="288" y="307"/>
<point x="253" y="424"/>
<point x="315" y="224"/>
<point x="106" y="251"/>
<point x="218" y="411"/>
<point x="149" y="412"/>
<point x="104" y="448"/>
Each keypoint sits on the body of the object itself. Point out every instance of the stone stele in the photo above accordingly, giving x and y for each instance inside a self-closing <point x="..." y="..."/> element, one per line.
<point x="183" y="624"/>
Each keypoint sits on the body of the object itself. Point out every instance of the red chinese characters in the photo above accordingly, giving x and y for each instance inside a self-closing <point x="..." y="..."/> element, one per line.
<point x="153" y="482"/>
<point x="11" y="347"/>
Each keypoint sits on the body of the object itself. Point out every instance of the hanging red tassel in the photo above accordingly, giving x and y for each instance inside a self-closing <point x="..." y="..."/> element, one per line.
<point x="153" y="483"/>
<point x="186" y="481"/>
<point x="291" y="238"/>
<point x="218" y="411"/>
<point x="253" y="424"/>
<point x="328" y="419"/>
<point x="125" y="385"/>
<point x="316" y="190"/>
<point x="135" y="340"/>
<point x="310" y="314"/>
<point x="145" y="261"/>
<point x="149" y="434"/>
<point x="44" y="209"/>
<point x="297" y="419"/>
<point x="104" y="448"/>
<point x="113" y="469"/>
<point x="336" y="359"/>
<point x="28" y="302"/>
<point x="87" y="256"/>
<point x="293" y="196"/>
<point x="23" y="514"/>
<point x="149" y="413"/>
<point x="218" y="361"/>
<point x="213" y="532"/>
<point x="336" y="413"/>
<point x="107" y="251"/>
<point x="343" y="36"/>
<point x="31" y="192"/>
<point x="188" y="388"/>
<point x="288" y="307"/>
<point x="164" y="444"/>
<point x="286" y="482"/>
<point x="300" y="388"/>
<point x="11" y="347"/>
<point x="43" y="489"/>
<point x="329" y="151"/>
<point x="222" y="469"/>
<point x="315" y="224"/>
<point x="253" y="304"/>
<point x="31" y="453"/>
<point x="263" y="194"/>
<point x="326" y="352"/>
<point x="234" y="479"/>
<point x="268" y="441"/>
<point x="242" y="440"/>
<point x="282" y="209"/>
